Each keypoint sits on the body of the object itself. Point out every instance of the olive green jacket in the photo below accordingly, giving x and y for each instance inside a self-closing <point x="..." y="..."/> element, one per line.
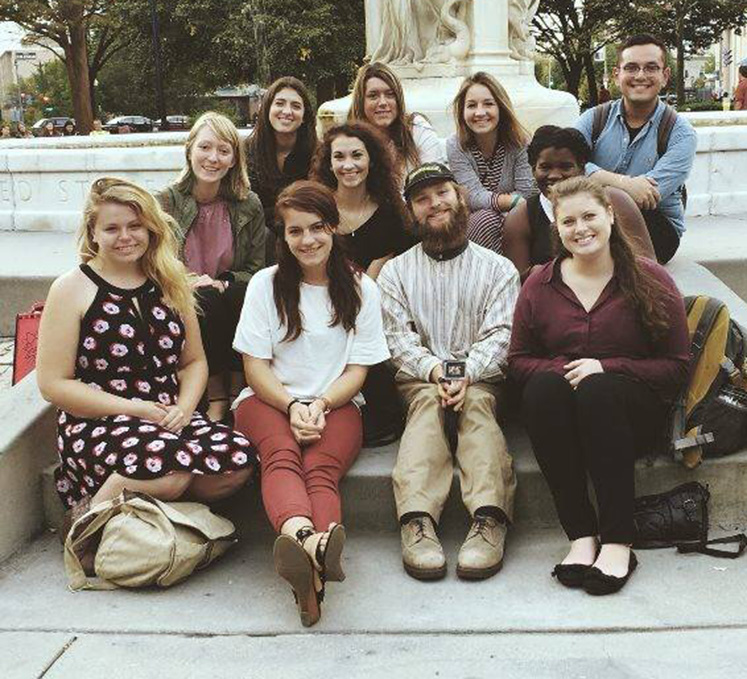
<point x="247" y="226"/>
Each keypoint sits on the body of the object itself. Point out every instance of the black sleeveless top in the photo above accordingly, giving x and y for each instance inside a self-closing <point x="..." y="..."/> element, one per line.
<point x="540" y="249"/>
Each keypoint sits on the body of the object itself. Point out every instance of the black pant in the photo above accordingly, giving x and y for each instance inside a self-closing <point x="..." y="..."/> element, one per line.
<point x="664" y="236"/>
<point x="383" y="412"/>
<point x="218" y="316"/>
<point x="599" y="428"/>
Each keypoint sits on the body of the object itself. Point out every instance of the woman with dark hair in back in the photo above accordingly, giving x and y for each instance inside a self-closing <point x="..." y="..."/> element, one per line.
<point x="355" y="162"/>
<point x="280" y="149"/>
<point x="310" y="327"/>
<point x="601" y="349"/>
<point x="488" y="157"/>
<point x="378" y="99"/>
<point x="556" y="154"/>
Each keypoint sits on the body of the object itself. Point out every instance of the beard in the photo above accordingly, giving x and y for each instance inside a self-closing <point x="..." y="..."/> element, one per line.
<point x="436" y="240"/>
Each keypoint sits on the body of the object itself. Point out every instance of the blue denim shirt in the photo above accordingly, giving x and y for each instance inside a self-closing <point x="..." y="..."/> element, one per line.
<point x="615" y="152"/>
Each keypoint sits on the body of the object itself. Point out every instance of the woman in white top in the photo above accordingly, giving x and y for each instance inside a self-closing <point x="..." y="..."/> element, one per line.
<point x="378" y="99"/>
<point x="309" y="329"/>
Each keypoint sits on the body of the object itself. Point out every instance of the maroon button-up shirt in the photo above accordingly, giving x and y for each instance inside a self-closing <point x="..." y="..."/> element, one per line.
<point x="552" y="328"/>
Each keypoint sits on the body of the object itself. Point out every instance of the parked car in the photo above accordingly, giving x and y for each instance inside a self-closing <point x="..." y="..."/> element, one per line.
<point x="58" y="122"/>
<point x="135" y="123"/>
<point x="175" y="122"/>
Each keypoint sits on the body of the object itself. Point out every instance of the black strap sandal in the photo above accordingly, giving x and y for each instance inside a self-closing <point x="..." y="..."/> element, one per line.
<point x="326" y="559"/>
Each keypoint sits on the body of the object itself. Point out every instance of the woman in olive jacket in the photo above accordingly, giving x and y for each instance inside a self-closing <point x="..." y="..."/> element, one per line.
<point x="221" y="229"/>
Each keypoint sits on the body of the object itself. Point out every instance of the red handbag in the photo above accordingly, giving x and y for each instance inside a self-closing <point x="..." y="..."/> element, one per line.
<point x="27" y="336"/>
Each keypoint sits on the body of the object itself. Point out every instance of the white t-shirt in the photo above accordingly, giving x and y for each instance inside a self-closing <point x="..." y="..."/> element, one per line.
<point x="308" y="365"/>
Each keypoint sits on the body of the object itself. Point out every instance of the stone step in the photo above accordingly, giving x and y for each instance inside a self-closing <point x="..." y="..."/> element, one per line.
<point x="30" y="261"/>
<point x="368" y="499"/>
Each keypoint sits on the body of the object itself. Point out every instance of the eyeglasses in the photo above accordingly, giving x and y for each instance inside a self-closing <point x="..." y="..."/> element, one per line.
<point x="635" y="69"/>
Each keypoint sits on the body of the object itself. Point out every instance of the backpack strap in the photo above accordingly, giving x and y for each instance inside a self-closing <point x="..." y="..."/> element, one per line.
<point x="668" y="119"/>
<point x="601" y="114"/>
<point x="702" y="547"/>
<point x="705" y="325"/>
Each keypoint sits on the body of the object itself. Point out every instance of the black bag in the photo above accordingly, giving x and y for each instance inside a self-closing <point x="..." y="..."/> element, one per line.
<point x="679" y="518"/>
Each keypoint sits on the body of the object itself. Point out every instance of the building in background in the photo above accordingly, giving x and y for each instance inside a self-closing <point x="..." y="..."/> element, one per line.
<point x="733" y="49"/>
<point x="17" y="61"/>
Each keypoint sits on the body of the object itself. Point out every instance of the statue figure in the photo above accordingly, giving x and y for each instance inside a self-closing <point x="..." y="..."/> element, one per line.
<point x="520" y="39"/>
<point x="423" y="31"/>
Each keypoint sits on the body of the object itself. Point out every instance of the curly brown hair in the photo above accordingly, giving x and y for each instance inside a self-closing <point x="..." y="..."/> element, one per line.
<point x="382" y="182"/>
<point x="637" y="283"/>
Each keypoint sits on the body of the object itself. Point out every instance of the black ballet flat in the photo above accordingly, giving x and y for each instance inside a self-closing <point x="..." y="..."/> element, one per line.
<point x="571" y="574"/>
<point x="599" y="584"/>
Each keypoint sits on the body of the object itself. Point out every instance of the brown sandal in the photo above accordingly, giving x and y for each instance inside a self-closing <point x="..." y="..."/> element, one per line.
<point x="293" y="564"/>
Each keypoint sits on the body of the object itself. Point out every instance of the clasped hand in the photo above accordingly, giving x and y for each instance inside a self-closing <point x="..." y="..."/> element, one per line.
<point x="205" y="281"/>
<point x="307" y="421"/>
<point x="453" y="393"/>
<point x="171" y="418"/>
<point x="580" y="368"/>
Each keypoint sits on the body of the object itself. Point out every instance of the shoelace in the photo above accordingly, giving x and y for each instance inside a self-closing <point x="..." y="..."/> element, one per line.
<point x="480" y="523"/>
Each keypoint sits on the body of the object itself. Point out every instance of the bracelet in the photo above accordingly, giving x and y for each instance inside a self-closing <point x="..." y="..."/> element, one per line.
<point x="515" y="201"/>
<point x="327" y="403"/>
<point x="292" y="402"/>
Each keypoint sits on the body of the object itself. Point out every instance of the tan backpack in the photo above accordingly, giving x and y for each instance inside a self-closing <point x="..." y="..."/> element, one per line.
<point x="145" y="542"/>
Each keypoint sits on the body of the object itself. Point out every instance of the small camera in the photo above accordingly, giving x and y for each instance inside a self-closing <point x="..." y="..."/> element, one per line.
<point x="454" y="370"/>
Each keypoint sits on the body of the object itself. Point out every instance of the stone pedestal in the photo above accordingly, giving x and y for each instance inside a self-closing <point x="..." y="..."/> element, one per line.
<point x="430" y="87"/>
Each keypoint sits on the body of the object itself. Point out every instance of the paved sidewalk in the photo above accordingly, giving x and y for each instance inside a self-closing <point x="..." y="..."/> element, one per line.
<point x="678" y="614"/>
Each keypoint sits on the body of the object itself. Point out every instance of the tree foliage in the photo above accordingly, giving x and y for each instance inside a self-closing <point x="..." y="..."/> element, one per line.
<point x="571" y="32"/>
<point x="688" y="26"/>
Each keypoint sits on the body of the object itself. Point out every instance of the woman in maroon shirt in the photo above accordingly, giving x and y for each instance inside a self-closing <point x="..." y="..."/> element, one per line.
<point x="600" y="347"/>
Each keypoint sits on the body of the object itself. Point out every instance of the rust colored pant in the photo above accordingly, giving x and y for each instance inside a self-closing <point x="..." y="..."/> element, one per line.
<point x="301" y="481"/>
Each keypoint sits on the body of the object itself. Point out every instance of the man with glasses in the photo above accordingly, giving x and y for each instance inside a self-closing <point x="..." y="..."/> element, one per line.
<point x="640" y="145"/>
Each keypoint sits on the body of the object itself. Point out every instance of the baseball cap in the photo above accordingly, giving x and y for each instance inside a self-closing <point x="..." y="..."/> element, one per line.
<point x="425" y="173"/>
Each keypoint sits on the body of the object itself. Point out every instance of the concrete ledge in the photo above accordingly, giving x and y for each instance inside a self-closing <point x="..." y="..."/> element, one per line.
<point x="26" y="447"/>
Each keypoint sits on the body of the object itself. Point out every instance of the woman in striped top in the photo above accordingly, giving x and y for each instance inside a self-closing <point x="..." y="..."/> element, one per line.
<point x="488" y="156"/>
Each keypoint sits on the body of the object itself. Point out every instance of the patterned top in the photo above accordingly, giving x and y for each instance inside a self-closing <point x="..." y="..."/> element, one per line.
<point x="490" y="171"/>
<point x="459" y="308"/>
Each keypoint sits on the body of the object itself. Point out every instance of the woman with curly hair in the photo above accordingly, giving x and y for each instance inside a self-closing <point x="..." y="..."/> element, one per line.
<point x="353" y="160"/>
<point x="378" y="99"/>
<point x="120" y="356"/>
<point x="280" y="149"/>
<point x="310" y="328"/>
<point x="600" y="346"/>
<point x="221" y="229"/>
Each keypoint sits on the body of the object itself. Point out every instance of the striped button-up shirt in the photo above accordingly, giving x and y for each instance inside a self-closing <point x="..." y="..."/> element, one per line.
<point x="457" y="309"/>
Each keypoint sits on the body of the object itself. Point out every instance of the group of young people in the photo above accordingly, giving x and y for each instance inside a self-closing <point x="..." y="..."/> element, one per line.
<point x="397" y="264"/>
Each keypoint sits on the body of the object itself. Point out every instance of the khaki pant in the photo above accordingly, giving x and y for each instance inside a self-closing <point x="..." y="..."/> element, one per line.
<point x="424" y="469"/>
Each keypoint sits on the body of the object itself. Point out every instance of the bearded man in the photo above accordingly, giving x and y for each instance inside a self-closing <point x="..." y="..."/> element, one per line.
<point x="448" y="306"/>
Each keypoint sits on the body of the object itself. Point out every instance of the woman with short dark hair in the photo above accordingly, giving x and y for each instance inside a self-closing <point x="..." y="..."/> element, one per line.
<point x="310" y="327"/>
<point x="558" y="153"/>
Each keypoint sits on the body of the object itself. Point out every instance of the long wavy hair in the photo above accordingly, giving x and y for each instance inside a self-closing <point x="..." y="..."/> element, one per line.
<point x="262" y="147"/>
<point x="235" y="185"/>
<point x="344" y="283"/>
<point x="511" y="133"/>
<point x="637" y="283"/>
<point x="400" y="131"/>
<point x="382" y="181"/>
<point x="160" y="263"/>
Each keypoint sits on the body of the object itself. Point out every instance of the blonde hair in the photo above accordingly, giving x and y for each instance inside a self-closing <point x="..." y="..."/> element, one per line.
<point x="160" y="263"/>
<point x="510" y="131"/>
<point x="235" y="185"/>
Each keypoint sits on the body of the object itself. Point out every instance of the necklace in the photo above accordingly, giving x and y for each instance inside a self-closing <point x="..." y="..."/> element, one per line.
<point x="349" y="224"/>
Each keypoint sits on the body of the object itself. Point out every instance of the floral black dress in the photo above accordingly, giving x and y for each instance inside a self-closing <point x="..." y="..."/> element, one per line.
<point x="130" y="343"/>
